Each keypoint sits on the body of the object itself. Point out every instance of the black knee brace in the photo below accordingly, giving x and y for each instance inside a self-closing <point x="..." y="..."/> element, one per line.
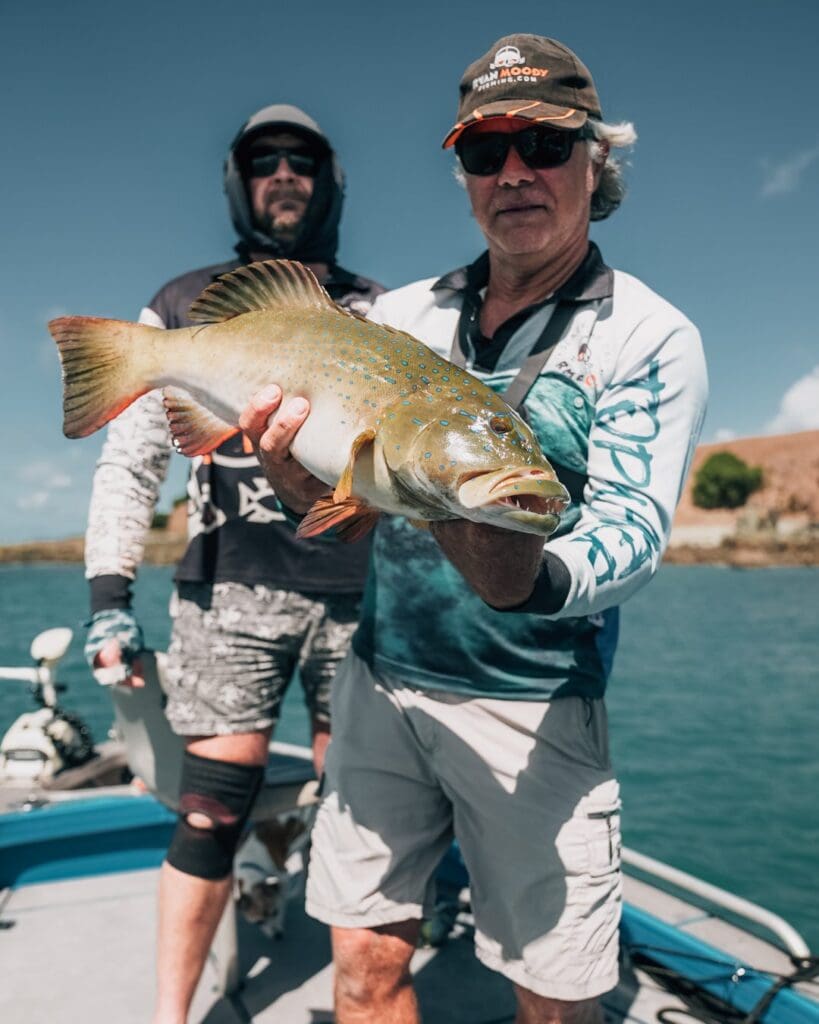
<point x="223" y="792"/>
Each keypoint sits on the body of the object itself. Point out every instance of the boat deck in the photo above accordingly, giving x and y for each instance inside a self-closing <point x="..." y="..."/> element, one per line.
<point x="82" y="951"/>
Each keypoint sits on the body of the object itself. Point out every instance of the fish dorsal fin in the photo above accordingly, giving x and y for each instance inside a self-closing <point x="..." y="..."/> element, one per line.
<point x="271" y="284"/>
<point x="195" y="429"/>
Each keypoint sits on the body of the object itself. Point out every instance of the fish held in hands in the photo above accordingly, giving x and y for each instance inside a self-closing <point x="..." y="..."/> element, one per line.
<point x="393" y="427"/>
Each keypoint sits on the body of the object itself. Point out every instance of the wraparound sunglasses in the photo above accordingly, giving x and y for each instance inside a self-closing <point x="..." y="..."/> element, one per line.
<point x="538" y="147"/>
<point x="301" y="161"/>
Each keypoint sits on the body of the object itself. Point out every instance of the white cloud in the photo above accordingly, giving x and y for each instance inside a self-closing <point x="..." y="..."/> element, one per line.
<point x="32" y="500"/>
<point x="44" y="472"/>
<point x="785" y="177"/>
<point x="724" y="434"/>
<point x="799" y="408"/>
<point x="41" y="479"/>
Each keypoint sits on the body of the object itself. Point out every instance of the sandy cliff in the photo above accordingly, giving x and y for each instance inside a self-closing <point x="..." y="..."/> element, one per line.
<point x="783" y="509"/>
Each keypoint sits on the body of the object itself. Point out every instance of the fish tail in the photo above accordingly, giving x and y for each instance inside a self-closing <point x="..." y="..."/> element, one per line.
<point x="101" y="377"/>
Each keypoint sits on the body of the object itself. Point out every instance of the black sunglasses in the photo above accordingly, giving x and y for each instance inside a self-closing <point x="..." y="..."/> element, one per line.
<point x="538" y="147"/>
<point x="302" y="162"/>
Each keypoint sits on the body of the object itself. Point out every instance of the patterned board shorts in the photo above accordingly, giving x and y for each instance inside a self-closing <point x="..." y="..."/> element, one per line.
<point x="235" y="647"/>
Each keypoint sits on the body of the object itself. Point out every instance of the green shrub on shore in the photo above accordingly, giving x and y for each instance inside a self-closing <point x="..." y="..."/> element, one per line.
<point x="725" y="481"/>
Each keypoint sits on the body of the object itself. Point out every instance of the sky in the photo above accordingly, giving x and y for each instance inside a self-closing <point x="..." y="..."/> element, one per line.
<point x="118" y="116"/>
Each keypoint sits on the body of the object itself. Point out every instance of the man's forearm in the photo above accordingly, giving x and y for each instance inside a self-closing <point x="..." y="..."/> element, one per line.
<point x="501" y="566"/>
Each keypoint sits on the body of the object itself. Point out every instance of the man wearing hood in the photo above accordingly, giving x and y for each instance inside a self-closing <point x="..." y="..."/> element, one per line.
<point x="252" y="603"/>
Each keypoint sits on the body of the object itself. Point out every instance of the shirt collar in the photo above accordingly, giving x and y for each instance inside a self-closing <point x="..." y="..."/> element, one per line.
<point x="593" y="279"/>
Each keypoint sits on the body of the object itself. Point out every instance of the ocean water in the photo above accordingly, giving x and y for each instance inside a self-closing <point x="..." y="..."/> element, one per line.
<point x="714" y="712"/>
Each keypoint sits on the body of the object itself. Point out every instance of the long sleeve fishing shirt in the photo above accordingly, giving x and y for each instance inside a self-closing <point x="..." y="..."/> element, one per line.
<point x="617" y="409"/>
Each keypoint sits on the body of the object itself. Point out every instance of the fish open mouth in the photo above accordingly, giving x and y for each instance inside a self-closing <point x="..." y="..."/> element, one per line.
<point x="532" y="503"/>
<point x="531" y="497"/>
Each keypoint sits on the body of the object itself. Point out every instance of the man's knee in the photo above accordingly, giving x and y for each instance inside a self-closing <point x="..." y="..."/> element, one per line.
<point x="373" y="963"/>
<point x="215" y="799"/>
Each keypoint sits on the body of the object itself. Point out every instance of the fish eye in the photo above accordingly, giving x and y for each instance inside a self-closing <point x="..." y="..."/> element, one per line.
<point x="500" y="424"/>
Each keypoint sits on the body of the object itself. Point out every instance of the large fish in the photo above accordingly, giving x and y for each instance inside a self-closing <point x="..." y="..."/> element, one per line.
<point x="392" y="427"/>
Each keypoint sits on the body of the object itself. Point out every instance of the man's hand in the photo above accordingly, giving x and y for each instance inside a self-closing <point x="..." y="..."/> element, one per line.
<point x="271" y="428"/>
<point x="501" y="566"/>
<point x="112" y="648"/>
<point x="111" y="669"/>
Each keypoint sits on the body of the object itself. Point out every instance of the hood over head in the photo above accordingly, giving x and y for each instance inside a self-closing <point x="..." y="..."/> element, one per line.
<point x="317" y="240"/>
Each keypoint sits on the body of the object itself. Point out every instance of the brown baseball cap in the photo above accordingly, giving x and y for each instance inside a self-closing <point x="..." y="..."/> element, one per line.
<point x="527" y="76"/>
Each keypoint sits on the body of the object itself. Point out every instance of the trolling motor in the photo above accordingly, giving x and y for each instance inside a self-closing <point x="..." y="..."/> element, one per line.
<point x="40" y="744"/>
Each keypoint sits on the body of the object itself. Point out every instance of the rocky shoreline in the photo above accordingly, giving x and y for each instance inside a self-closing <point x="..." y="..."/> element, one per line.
<point x="747" y="554"/>
<point x="163" y="548"/>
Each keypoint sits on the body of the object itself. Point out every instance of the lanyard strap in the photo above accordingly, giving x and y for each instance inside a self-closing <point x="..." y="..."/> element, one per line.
<point x="515" y="394"/>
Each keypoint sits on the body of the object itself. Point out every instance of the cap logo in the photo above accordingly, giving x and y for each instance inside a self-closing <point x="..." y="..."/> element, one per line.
<point x="507" y="57"/>
<point x="504" y="73"/>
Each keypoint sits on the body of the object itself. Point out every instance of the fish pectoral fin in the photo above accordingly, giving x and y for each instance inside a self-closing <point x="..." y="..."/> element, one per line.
<point x="344" y="487"/>
<point x="351" y="518"/>
<point x="195" y="429"/>
<point x="270" y="284"/>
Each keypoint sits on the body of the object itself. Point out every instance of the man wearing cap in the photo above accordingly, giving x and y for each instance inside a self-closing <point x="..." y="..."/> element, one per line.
<point x="471" y="704"/>
<point x="252" y="603"/>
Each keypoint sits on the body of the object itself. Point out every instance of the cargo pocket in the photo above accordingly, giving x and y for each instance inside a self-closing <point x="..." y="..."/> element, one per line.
<point x="594" y="889"/>
<point x="603" y="842"/>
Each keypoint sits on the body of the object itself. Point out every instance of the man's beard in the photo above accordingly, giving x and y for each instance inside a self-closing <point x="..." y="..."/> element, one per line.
<point x="284" y="227"/>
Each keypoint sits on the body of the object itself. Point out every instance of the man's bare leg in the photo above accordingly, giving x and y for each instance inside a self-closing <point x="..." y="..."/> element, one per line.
<point x="373" y="984"/>
<point x="190" y="907"/>
<point x="534" y="1009"/>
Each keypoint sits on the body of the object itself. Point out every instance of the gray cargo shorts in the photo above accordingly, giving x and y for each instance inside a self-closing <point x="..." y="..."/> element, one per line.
<point x="527" y="789"/>
<point x="235" y="647"/>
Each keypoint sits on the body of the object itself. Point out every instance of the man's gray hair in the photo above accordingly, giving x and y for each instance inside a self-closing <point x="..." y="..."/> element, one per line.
<point x="612" y="188"/>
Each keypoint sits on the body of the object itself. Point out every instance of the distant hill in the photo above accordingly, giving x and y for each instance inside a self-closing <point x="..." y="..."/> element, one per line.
<point x="786" y="508"/>
<point x="790" y="466"/>
<point x="161" y="548"/>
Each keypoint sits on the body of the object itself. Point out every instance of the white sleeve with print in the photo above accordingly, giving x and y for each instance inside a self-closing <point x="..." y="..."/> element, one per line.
<point x="647" y="421"/>
<point x="130" y="470"/>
